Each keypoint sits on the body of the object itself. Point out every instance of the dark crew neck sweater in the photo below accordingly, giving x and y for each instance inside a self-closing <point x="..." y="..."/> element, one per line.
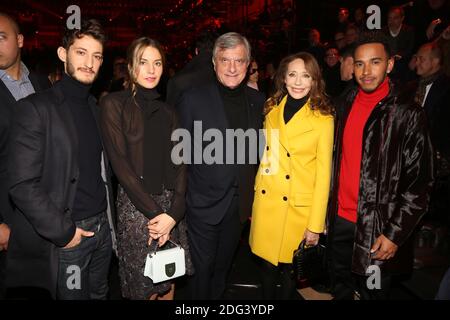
<point x="90" y="197"/>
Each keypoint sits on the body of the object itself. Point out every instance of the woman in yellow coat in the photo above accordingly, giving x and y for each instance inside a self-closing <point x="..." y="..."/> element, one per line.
<point x="293" y="179"/>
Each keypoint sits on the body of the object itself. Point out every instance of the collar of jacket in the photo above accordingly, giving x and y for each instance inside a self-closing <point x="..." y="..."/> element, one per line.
<point x="298" y="124"/>
<point x="391" y="97"/>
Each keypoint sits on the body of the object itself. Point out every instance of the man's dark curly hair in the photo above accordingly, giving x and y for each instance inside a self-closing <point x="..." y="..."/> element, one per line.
<point x="89" y="27"/>
<point x="373" y="36"/>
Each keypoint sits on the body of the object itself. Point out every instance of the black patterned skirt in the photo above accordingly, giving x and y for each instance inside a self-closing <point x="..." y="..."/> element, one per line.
<point x="132" y="245"/>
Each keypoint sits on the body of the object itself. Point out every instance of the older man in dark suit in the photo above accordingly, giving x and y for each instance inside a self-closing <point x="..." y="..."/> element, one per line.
<point x="16" y="83"/>
<point x="220" y="192"/>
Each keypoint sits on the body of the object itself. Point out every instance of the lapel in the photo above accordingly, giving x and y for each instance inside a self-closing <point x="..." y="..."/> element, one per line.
<point x="66" y="115"/>
<point x="35" y="82"/>
<point x="10" y="98"/>
<point x="104" y="159"/>
<point x="252" y="115"/>
<point x="433" y="96"/>
<point x="273" y="123"/>
<point x="299" y="123"/>
<point x="7" y="95"/>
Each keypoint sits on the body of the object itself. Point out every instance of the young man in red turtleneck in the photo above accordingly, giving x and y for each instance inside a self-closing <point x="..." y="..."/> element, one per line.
<point x="382" y="177"/>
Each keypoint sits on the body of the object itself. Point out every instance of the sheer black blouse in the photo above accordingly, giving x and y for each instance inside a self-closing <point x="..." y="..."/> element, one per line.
<point x="123" y="122"/>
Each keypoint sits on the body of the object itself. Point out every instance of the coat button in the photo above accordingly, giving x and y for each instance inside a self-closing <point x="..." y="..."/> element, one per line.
<point x="66" y="210"/>
<point x="288" y="155"/>
<point x="285" y="198"/>
<point x="287" y="177"/>
<point x="267" y="170"/>
<point x="263" y="191"/>
<point x="267" y="148"/>
<point x="73" y="180"/>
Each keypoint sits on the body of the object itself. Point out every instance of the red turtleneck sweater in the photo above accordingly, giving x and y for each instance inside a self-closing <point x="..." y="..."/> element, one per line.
<point x="352" y="149"/>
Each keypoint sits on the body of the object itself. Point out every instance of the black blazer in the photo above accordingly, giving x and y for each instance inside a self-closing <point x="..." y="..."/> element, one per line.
<point x="7" y="102"/>
<point x="197" y="72"/>
<point x="210" y="186"/>
<point x="43" y="172"/>
<point x="437" y="108"/>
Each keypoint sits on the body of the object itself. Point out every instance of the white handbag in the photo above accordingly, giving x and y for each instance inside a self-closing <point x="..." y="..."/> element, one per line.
<point x="165" y="264"/>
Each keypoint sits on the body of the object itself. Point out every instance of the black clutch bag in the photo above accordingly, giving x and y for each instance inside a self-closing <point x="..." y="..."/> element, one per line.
<point x="309" y="265"/>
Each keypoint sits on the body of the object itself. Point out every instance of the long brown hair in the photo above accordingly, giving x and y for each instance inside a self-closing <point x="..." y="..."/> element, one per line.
<point x="134" y="55"/>
<point x="318" y="98"/>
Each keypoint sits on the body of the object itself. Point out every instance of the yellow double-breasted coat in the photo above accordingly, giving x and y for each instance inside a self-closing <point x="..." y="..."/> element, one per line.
<point x="292" y="183"/>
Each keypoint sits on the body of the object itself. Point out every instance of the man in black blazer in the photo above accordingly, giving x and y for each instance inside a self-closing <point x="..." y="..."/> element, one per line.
<point x="62" y="233"/>
<point x="220" y="188"/>
<point x="433" y="94"/>
<point x="16" y="82"/>
<point x="197" y="72"/>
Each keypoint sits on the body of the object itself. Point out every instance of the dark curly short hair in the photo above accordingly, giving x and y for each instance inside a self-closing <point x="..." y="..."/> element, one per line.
<point x="89" y="27"/>
<point x="373" y="36"/>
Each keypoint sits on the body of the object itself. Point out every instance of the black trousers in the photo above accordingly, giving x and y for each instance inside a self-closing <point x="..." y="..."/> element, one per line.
<point x="278" y="282"/>
<point x="344" y="282"/>
<point x="212" y="250"/>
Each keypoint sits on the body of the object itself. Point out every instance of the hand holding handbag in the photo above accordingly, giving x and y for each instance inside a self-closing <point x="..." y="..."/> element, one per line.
<point x="165" y="264"/>
<point x="309" y="264"/>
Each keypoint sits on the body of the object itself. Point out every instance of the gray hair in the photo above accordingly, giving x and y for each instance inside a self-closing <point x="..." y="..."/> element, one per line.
<point x="231" y="40"/>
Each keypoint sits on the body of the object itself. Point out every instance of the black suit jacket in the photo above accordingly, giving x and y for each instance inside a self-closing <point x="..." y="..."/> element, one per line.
<point x="197" y="72"/>
<point x="437" y="108"/>
<point x="43" y="170"/>
<point x="7" y="103"/>
<point x="210" y="187"/>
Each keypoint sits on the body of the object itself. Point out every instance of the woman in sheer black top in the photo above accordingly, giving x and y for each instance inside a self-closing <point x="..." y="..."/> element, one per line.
<point x="136" y="128"/>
